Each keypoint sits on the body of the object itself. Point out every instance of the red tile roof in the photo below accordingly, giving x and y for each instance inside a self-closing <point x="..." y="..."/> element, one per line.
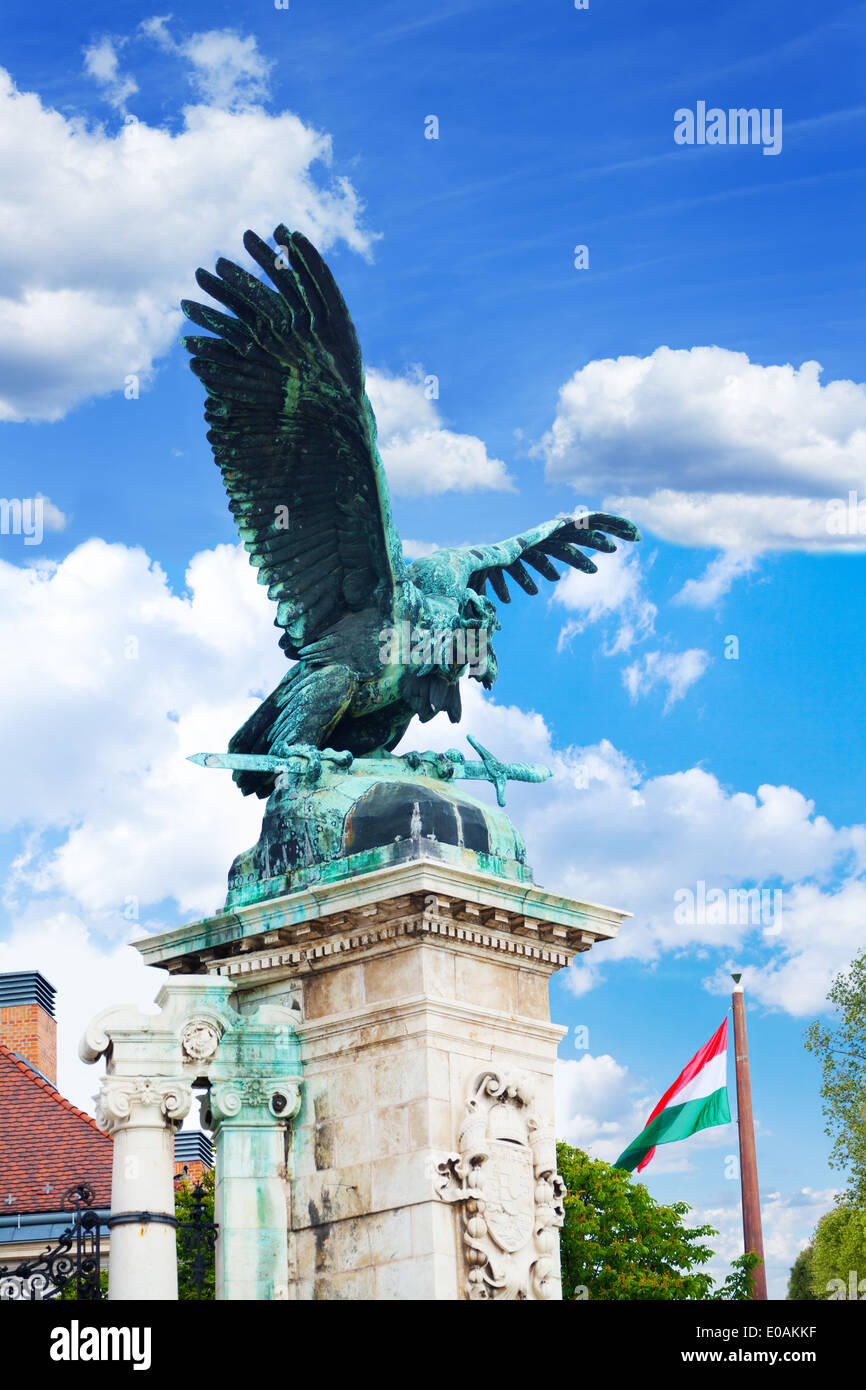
<point x="45" y="1142"/>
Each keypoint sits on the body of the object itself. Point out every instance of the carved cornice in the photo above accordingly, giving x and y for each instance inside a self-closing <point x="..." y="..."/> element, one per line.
<point x="327" y="941"/>
<point x="317" y="912"/>
<point x="198" y="1035"/>
<point x="449" y="1015"/>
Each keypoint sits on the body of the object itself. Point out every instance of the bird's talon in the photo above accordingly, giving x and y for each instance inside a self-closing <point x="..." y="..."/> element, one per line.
<point x="341" y="757"/>
<point x="303" y="764"/>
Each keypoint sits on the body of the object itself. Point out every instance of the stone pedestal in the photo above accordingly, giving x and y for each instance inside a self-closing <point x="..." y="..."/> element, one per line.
<point x="422" y="1160"/>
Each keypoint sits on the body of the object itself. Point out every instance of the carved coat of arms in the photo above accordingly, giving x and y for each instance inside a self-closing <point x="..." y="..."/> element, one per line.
<point x="511" y="1196"/>
<point x="506" y="1184"/>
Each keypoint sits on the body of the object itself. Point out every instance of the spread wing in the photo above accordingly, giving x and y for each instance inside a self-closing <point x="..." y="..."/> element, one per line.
<point x="295" y="437"/>
<point x="476" y="566"/>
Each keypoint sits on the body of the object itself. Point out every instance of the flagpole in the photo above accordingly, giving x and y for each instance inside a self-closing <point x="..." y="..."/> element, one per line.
<point x="753" y="1239"/>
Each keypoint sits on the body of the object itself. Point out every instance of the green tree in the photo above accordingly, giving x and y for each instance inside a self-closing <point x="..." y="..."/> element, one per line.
<point x="800" y="1285"/>
<point x="619" y="1243"/>
<point x="740" y="1281"/>
<point x="839" y="1259"/>
<point x="70" y="1291"/>
<point x="186" y="1209"/>
<point x="841" y="1049"/>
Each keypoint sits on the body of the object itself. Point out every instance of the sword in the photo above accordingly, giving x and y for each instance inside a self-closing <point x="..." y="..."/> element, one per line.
<point x="446" y="766"/>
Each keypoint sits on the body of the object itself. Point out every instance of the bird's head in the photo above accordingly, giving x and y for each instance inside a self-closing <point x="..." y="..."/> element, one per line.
<point x="449" y="602"/>
<point x="478" y="617"/>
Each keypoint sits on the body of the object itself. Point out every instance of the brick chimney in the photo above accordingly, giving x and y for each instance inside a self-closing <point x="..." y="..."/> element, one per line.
<point x="193" y="1154"/>
<point x="27" y="1023"/>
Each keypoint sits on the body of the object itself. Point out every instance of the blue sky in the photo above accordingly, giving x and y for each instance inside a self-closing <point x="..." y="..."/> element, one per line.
<point x="666" y="380"/>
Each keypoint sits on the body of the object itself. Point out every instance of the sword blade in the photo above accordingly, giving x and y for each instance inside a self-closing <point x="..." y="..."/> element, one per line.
<point x="513" y="772"/>
<point x="467" y="771"/>
<point x="240" y="762"/>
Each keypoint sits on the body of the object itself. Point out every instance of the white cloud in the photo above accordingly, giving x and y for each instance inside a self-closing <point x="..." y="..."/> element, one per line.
<point x="142" y="206"/>
<point x="821" y="930"/>
<point x="616" y="590"/>
<point x="788" y="1221"/>
<point x="676" y="670"/>
<point x="111" y="681"/>
<point x="420" y="456"/>
<point x="101" y="63"/>
<point x="112" y="820"/>
<point x="601" y="1108"/>
<point x="736" y="522"/>
<point x="705" y="447"/>
<point x="602" y="832"/>
<point x="87" y="977"/>
<point x="227" y="68"/>
<point x="30" y="517"/>
<point x="53" y="519"/>
<point x="95" y="734"/>
<point x="715" y="581"/>
<point x="418" y="550"/>
<point x="597" y="1108"/>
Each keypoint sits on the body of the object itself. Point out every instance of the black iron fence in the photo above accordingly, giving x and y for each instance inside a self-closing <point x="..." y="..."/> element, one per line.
<point x="196" y="1239"/>
<point x="69" y="1269"/>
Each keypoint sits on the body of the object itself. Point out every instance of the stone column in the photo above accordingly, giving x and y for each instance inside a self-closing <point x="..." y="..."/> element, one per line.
<point x="142" y="1115"/>
<point x="251" y="1063"/>
<point x="249" y="1118"/>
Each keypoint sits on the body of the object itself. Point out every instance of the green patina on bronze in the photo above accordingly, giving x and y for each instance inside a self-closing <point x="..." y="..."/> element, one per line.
<point x="294" y="435"/>
<point x="351" y="825"/>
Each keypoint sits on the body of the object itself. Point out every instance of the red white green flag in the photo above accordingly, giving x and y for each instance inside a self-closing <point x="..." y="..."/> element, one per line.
<point x="698" y="1099"/>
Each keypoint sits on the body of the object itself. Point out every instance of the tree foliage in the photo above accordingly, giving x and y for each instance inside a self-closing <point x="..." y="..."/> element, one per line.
<point x="619" y="1243"/>
<point x="841" y="1049"/>
<point x="70" y="1290"/>
<point x="740" y="1281"/>
<point x="800" y="1286"/>
<point x="839" y="1258"/>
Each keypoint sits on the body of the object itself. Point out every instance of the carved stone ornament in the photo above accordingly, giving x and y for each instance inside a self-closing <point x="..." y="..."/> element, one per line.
<point x="125" y="1099"/>
<point x="279" y="1099"/>
<point x="512" y="1197"/>
<point x="200" y="1040"/>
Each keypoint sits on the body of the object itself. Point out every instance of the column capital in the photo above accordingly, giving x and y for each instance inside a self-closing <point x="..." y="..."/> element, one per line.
<point x="125" y="1101"/>
<point x="257" y="1100"/>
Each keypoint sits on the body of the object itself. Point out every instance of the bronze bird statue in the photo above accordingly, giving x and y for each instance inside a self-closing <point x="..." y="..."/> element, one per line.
<point x="374" y="640"/>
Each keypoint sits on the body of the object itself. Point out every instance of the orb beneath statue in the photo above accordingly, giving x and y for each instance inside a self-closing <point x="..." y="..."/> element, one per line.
<point x="342" y="826"/>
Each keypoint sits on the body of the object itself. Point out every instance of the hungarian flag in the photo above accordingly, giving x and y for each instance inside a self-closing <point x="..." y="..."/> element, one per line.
<point x="697" y="1100"/>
